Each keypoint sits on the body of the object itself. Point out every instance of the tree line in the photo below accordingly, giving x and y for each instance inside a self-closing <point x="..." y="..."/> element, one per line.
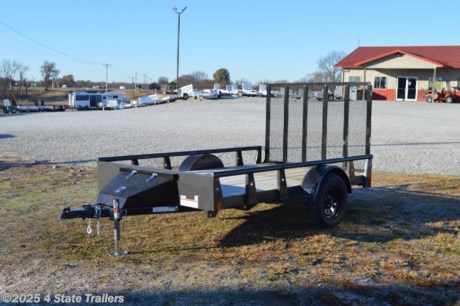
<point x="14" y="83"/>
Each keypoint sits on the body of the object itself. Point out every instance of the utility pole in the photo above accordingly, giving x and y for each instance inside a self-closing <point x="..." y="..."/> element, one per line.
<point x="132" y="89"/>
<point x="106" y="75"/>
<point x="178" y="36"/>
<point x="145" y="80"/>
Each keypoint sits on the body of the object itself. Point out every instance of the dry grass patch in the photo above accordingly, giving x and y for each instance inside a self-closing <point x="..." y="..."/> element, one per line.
<point x="399" y="242"/>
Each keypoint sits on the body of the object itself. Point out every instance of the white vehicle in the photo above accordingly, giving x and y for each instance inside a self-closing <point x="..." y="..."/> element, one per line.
<point x="263" y="91"/>
<point x="188" y="92"/>
<point x="150" y="100"/>
<point x="95" y="100"/>
<point x="110" y="104"/>
<point x="245" y="90"/>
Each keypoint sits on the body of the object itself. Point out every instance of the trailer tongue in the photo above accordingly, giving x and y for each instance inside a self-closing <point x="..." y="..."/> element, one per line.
<point x="314" y="152"/>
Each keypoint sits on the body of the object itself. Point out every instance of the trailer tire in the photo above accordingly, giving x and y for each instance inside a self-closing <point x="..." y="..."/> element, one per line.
<point x="201" y="162"/>
<point x="330" y="203"/>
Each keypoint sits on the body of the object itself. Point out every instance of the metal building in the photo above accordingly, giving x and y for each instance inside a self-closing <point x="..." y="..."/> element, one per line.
<point x="404" y="73"/>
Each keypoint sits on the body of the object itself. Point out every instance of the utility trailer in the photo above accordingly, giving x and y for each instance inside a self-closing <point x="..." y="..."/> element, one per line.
<point x="314" y="152"/>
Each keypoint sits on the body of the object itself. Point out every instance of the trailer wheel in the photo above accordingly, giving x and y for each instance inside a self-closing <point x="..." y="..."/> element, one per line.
<point x="201" y="162"/>
<point x="329" y="207"/>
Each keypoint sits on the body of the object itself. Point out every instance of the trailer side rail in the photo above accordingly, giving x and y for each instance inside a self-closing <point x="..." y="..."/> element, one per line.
<point x="166" y="156"/>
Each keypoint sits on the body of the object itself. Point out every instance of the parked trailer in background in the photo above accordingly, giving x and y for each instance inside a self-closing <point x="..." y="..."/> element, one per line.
<point x="8" y="107"/>
<point x="245" y="90"/>
<point x="189" y="91"/>
<point x="95" y="100"/>
<point x="314" y="152"/>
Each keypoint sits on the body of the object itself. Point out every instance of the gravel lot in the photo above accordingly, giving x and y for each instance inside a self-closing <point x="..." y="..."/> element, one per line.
<point x="407" y="137"/>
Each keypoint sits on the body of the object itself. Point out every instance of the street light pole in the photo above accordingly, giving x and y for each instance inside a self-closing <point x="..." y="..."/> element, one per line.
<point x="178" y="36"/>
<point x="106" y="75"/>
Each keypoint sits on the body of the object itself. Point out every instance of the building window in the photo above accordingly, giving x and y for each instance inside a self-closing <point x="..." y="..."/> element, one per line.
<point x="380" y="82"/>
<point x="354" y="79"/>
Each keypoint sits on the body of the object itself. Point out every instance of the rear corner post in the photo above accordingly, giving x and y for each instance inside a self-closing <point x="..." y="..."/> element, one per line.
<point x="267" y="124"/>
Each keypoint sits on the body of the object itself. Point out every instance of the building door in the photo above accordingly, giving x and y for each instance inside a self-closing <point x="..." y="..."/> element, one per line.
<point x="406" y="89"/>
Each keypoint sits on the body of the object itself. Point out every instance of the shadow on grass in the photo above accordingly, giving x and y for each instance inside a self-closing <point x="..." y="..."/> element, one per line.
<point x="374" y="215"/>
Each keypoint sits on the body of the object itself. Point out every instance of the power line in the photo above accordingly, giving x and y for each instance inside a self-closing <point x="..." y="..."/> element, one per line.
<point x="58" y="53"/>
<point x="47" y="47"/>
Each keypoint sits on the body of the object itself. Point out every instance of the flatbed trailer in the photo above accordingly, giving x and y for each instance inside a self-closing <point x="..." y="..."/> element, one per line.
<point x="314" y="152"/>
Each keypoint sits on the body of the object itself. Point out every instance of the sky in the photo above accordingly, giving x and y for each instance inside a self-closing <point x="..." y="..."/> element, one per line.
<point x="255" y="40"/>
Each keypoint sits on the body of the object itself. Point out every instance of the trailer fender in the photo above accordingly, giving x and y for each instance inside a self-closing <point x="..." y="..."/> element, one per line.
<point x="312" y="180"/>
<point x="201" y="162"/>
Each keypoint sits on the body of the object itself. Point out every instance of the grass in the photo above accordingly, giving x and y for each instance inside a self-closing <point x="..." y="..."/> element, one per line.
<point x="400" y="242"/>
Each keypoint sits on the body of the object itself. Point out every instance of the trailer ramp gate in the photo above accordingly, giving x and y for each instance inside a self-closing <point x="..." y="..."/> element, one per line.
<point x="302" y="124"/>
<point x="317" y="138"/>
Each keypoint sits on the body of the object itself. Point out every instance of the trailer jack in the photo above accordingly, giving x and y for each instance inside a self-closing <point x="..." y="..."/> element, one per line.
<point x="116" y="229"/>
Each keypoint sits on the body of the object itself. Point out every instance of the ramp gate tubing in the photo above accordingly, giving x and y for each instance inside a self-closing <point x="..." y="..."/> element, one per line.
<point x="367" y="94"/>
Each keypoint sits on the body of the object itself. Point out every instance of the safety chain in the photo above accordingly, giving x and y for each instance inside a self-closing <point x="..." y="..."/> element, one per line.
<point x="97" y="215"/>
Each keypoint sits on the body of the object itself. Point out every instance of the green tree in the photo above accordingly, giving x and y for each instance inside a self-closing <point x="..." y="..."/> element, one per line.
<point x="154" y="86"/>
<point x="222" y="76"/>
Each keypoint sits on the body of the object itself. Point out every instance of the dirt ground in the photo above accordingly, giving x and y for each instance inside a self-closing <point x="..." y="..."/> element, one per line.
<point x="399" y="245"/>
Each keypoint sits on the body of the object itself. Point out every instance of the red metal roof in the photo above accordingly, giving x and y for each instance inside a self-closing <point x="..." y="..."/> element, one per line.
<point x="442" y="56"/>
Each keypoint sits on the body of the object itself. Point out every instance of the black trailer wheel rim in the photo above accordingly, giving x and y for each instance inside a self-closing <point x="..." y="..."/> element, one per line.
<point x="331" y="205"/>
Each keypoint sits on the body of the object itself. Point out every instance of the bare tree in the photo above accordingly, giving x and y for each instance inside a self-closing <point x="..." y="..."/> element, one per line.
<point x="200" y="76"/>
<point x="163" y="80"/>
<point x="9" y="69"/>
<point x="315" y="77"/>
<point x="49" y="72"/>
<point x="326" y="66"/>
<point x="22" y="79"/>
<point x="67" y="80"/>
